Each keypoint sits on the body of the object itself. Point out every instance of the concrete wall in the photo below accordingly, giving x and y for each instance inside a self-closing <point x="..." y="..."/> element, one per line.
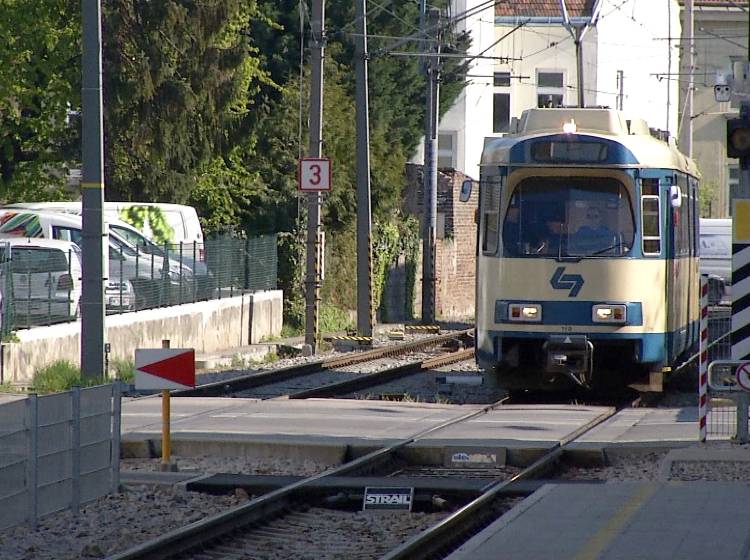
<point x="207" y="326"/>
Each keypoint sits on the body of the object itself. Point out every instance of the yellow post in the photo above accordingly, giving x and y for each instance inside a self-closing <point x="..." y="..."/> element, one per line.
<point x="165" y="443"/>
<point x="166" y="451"/>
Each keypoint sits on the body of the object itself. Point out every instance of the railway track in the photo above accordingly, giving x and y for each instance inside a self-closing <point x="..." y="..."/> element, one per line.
<point x="285" y="514"/>
<point x="320" y="378"/>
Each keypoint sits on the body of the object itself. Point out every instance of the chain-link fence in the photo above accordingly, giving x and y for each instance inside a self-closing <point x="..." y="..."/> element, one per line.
<point x="42" y="286"/>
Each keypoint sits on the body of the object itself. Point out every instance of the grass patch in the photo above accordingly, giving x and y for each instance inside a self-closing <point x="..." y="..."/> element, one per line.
<point x="59" y="376"/>
<point x="331" y="319"/>
<point x="291" y="331"/>
<point x="124" y="370"/>
<point x="334" y="319"/>
<point x="270" y="358"/>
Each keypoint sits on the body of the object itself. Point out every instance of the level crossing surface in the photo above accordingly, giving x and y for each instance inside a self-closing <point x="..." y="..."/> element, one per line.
<point x="363" y="422"/>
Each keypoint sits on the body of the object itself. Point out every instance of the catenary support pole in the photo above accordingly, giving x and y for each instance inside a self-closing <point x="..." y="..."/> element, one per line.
<point x="364" y="212"/>
<point x="92" y="187"/>
<point x="315" y="149"/>
<point x="430" y="176"/>
<point x="686" y="121"/>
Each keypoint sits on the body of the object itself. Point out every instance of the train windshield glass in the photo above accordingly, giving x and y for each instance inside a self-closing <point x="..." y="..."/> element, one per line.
<point x="568" y="217"/>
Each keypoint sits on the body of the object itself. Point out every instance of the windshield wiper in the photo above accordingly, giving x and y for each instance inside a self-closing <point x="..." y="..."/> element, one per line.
<point x="601" y="251"/>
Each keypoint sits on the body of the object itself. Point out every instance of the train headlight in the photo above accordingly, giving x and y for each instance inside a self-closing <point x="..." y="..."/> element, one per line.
<point x="525" y="312"/>
<point x="605" y="313"/>
<point x="570" y="127"/>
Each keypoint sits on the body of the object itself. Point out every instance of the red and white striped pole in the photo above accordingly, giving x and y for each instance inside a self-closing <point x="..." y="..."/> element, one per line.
<point x="703" y="362"/>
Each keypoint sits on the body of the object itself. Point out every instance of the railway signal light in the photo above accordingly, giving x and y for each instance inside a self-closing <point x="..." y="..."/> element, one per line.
<point x="738" y="139"/>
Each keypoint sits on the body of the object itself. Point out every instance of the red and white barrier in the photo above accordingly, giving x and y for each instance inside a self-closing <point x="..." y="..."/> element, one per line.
<point x="703" y="362"/>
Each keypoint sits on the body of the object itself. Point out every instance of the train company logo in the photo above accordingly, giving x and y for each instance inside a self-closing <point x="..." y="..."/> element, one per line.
<point x="388" y="498"/>
<point x="562" y="281"/>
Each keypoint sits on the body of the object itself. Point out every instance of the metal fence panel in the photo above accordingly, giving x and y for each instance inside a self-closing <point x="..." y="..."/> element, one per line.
<point x="43" y="469"/>
<point x="55" y="496"/>
<point x="95" y="484"/>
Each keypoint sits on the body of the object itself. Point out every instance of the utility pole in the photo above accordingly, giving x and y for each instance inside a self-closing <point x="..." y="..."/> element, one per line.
<point x="364" y="213"/>
<point x="686" y="128"/>
<point x="92" y="187"/>
<point x="578" y="31"/>
<point x="312" y="281"/>
<point x="429" y="171"/>
<point x="621" y="87"/>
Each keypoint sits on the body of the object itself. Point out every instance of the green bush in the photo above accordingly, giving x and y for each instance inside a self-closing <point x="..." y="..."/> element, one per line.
<point x="58" y="376"/>
<point x="333" y="319"/>
<point x="124" y="370"/>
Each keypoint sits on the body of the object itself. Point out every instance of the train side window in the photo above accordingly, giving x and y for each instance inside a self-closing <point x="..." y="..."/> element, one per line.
<point x="490" y="194"/>
<point x="650" y="221"/>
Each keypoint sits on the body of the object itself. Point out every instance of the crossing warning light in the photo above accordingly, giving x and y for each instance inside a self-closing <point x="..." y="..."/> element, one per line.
<point x="738" y="138"/>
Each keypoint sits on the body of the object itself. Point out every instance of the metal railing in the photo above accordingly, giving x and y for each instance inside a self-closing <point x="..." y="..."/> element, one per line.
<point x="143" y="277"/>
<point x="59" y="451"/>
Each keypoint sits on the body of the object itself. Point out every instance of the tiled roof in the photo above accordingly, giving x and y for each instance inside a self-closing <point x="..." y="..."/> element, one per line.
<point x="739" y="4"/>
<point x="543" y="8"/>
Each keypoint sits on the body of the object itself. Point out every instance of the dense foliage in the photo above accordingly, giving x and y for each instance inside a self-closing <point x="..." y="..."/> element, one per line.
<point x="206" y="104"/>
<point x="40" y="85"/>
<point x="179" y="76"/>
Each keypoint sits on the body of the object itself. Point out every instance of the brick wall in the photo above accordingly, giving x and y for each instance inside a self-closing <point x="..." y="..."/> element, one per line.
<point x="455" y="249"/>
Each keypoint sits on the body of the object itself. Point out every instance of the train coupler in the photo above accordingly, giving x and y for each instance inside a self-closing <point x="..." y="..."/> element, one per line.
<point x="571" y="356"/>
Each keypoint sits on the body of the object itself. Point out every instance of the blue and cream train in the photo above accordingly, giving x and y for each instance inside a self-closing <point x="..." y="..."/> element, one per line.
<point x="587" y="265"/>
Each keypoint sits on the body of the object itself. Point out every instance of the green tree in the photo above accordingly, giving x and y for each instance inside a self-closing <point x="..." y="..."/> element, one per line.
<point x="179" y="79"/>
<point x="707" y="197"/>
<point x="39" y="87"/>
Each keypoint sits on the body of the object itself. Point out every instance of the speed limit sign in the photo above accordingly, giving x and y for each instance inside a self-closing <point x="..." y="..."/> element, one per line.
<point x="314" y="174"/>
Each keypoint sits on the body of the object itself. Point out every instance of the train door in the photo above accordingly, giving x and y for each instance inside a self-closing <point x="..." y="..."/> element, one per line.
<point x="656" y="242"/>
<point x="679" y="266"/>
<point x="694" y="293"/>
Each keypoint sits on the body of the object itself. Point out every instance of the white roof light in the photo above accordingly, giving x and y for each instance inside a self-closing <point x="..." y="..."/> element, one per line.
<point x="569" y="127"/>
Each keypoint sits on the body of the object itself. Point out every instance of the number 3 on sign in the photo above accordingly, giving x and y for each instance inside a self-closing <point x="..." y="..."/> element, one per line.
<point x="314" y="175"/>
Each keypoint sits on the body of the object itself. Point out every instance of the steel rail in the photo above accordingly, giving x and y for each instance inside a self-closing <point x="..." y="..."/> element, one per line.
<point x="438" y="538"/>
<point x="384" y="376"/>
<point x="200" y="533"/>
<point x="244" y="382"/>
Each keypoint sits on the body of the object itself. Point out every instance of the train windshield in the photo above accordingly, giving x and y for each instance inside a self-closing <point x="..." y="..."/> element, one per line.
<point x="569" y="217"/>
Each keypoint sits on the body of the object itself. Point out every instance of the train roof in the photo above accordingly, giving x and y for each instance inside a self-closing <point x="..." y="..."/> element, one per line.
<point x="613" y="125"/>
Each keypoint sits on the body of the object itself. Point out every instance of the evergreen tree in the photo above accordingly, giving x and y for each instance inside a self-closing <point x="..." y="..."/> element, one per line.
<point x="179" y="76"/>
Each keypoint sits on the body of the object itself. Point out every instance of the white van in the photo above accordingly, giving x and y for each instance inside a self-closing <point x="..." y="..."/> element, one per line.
<point x="716" y="250"/>
<point x="182" y="221"/>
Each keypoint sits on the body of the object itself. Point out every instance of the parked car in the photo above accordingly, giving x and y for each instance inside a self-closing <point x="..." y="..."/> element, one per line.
<point x="154" y="281"/>
<point x="182" y="254"/>
<point x="45" y="280"/>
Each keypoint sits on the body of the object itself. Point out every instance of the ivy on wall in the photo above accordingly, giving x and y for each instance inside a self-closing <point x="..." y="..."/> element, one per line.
<point x="410" y="242"/>
<point x="390" y="242"/>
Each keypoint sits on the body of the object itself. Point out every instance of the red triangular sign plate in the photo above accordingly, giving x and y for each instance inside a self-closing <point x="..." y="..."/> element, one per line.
<point x="179" y="368"/>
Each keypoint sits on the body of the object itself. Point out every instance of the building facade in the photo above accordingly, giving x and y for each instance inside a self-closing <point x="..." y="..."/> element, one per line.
<point x="630" y="60"/>
<point x="720" y="38"/>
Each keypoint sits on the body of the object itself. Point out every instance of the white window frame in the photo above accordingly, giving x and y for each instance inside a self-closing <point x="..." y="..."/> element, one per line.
<point x="502" y="89"/>
<point x="546" y="90"/>
<point x="444" y="154"/>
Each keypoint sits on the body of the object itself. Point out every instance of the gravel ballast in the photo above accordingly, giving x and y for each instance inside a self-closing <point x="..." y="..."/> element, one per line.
<point x="142" y="512"/>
